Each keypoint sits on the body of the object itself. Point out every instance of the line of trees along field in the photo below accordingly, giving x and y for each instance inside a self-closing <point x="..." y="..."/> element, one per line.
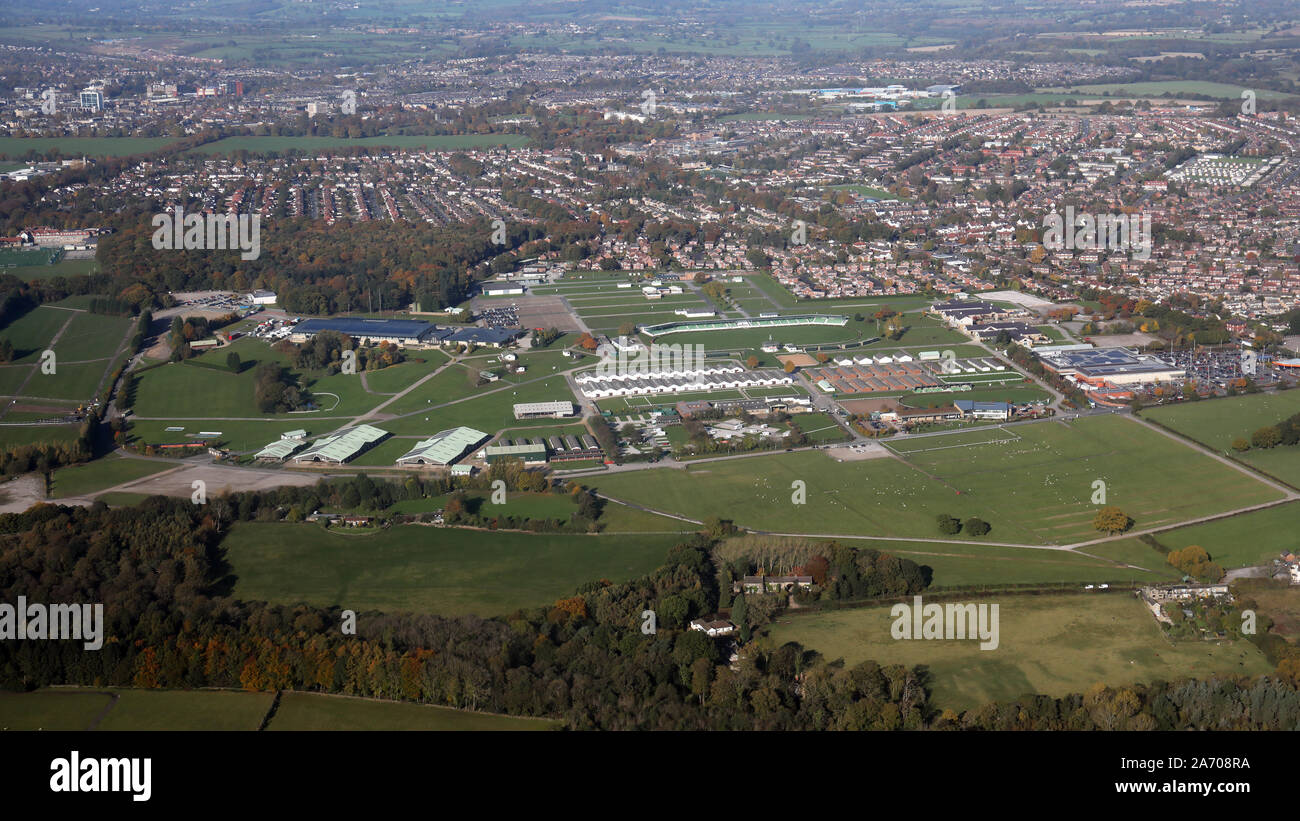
<point x="170" y="621"/>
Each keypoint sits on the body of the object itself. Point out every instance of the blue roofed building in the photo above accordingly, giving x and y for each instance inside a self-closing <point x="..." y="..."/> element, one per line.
<point x="404" y="332"/>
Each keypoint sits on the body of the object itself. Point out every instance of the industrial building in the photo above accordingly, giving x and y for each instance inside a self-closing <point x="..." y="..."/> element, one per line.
<point x="529" y="453"/>
<point x="540" y="410"/>
<point x="404" y="332"/>
<point x="1110" y="366"/>
<point x="444" y="447"/>
<point x="339" y="447"/>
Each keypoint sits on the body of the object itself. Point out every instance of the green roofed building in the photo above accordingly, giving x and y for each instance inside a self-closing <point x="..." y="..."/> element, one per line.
<point x="444" y="447"/>
<point x="337" y="448"/>
<point x="279" y="450"/>
<point x="528" y="454"/>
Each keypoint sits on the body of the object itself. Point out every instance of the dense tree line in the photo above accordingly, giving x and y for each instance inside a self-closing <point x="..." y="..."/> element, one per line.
<point x="313" y="267"/>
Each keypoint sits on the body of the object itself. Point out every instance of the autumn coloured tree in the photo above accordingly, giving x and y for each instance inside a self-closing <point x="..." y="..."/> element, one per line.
<point x="1111" y="520"/>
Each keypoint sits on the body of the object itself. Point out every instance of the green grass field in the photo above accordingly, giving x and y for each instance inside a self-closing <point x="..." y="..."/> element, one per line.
<point x="1036" y="490"/>
<point x="186" y="709"/>
<point x="964" y="565"/>
<point x="62" y="268"/>
<point x="83" y="354"/>
<point x="1242" y="541"/>
<point x="438" y="570"/>
<point x="1172" y="88"/>
<point x="1215" y="423"/>
<point x="100" y="474"/>
<point x="77" y="708"/>
<point x="312" y="711"/>
<point x="311" y="144"/>
<point x="1052" y="645"/>
<point x="489" y="408"/>
<point x="98" y="147"/>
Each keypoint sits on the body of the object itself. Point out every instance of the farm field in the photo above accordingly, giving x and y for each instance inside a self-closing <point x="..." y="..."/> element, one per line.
<point x="186" y="709"/>
<point x="1248" y="540"/>
<point x="1215" y="423"/>
<point x="78" y="708"/>
<point x="1035" y="490"/>
<point x="1171" y="88"/>
<point x="973" y="565"/>
<point x="1054" y="645"/>
<point x="80" y="480"/>
<point x="429" y="569"/>
<point x="83" y="355"/>
<point x="316" y="711"/>
<point x="126" y="709"/>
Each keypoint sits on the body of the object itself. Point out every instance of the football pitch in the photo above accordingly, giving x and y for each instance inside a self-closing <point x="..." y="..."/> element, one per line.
<point x="1037" y="489"/>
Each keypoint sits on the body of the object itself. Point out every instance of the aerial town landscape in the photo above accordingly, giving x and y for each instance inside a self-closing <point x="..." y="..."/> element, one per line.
<point x="574" y="366"/>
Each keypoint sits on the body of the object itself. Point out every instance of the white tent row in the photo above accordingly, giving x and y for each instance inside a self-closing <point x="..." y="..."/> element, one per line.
<point x="603" y="389"/>
<point x="632" y="373"/>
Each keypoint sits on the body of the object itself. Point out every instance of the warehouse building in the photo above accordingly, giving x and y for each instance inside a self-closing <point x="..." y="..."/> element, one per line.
<point x="444" y="447"/>
<point x="1110" y="366"/>
<point x="542" y="410"/>
<point x="529" y="453"/>
<point x="279" y="450"/>
<point x="404" y="332"/>
<point x="339" y="447"/>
